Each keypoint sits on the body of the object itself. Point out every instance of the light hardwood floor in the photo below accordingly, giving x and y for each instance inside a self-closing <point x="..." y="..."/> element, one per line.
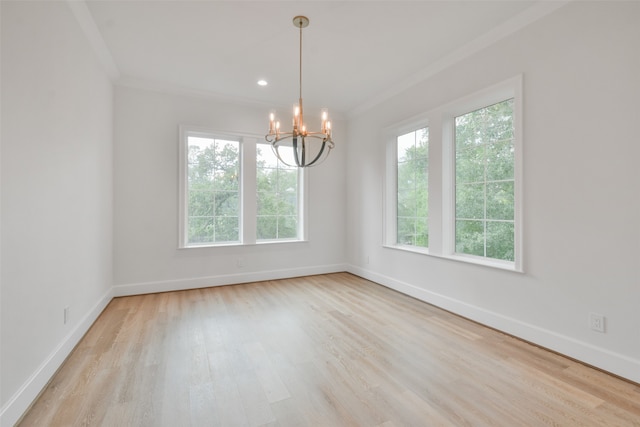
<point x="329" y="350"/>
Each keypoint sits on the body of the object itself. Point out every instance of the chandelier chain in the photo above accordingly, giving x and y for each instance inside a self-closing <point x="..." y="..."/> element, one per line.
<point x="300" y="80"/>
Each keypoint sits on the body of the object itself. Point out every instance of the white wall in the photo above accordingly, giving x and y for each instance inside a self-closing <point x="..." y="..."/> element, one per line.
<point x="146" y="254"/>
<point x="581" y="184"/>
<point x="56" y="195"/>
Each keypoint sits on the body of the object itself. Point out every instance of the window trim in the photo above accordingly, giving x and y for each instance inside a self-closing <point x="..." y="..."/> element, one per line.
<point x="248" y="196"/>
<point x="441" y="178"/>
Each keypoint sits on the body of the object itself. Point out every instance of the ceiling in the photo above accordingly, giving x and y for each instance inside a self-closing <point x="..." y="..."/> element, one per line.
<point x="354" y="52"/>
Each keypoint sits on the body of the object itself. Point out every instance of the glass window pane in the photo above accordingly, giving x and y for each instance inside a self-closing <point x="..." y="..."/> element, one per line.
<point x="406" y="143"/>
<point x="499" y="121"/>
<point x="227" y="229"/>
<point x="470" y="237"/>
<point x="267" y="203"/>
<point x="470" y="164"/>
<point x="288" y="181"/>
<point x="500" y="161"/>
<point x="277" y="195"/>
<point x="500" y="202"/>
<point x="265" y="157"/>
<point x="500" y="238"/>
<point x="288" y="204"/>
<point x="406" y="177"/>
<point x="470" y="201"/>
<point x="200" y="203"/>
<point x="287" y="227"/>
<point x="466" y="132"/>
<point x="412" y="183"/>
<point x="213" y="187"/>
<point x="227" y="203"/>
<point x="422" y="232"/>
<point x="406" y="203"/>
<point x="267" y="180"/>
<point x="200" y="229"/>
<point x="485" y="181"/>
<point x="406" y="231"/>
<point x="267" y="227"/>
<point x="422" y="201"/>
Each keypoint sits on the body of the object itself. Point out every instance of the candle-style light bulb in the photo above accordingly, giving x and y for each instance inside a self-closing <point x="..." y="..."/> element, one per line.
<point x="272" y="117"/>
<point x="296" y="114"/>
<point x="325" y="115"/>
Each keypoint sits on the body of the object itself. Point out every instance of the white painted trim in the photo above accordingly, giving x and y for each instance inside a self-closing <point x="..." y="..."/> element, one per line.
<point x="20" y="402"/>
<point x="615" y="363"/>
<point x="222" y="280"/>
<point x="518" y="22"/>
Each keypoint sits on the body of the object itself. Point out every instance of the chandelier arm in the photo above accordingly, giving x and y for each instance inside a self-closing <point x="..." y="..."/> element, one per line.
<point x="295" y="151"/>
<point x="275" y="151"/>
<point x="304" y="151"/>
<point x="286" y="135"/>
<point x="324" y="143"/>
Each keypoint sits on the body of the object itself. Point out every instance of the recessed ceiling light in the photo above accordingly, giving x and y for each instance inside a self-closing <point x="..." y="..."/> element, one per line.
<point x="262" y="83"/>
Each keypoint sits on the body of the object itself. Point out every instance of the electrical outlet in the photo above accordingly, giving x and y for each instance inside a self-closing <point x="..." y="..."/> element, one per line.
<point x="66" y="315"/>
<point x="596" y="322"/>
<point x="366" y="259"/>
<point x="240" y="262"/>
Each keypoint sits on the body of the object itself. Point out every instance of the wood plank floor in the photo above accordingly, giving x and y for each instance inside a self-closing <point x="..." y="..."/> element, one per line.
<point x="329" y="350"/>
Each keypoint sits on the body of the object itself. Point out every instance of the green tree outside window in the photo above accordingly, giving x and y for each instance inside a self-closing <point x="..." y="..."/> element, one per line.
<point x="484" y="193"/>
<point x="412" y="192"/>
<point x="277" y="196"/>
<point x="213" y="188"/>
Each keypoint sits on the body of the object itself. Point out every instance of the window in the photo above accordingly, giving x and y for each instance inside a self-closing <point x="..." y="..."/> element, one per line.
<point x="453" y="189"/>
<point x="235" y="191"/>
<point x="213" y="190"/>
<point x="412" y="196"/>
<point x="277" y="196"/>
<point x="484" y="196"/>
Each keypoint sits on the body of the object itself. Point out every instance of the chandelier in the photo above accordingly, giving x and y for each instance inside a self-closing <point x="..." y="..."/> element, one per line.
<point x="308" y="148"/>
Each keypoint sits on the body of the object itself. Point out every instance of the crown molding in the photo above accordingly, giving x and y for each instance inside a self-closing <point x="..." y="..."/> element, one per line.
<point x="522" y="20"/>
<point x="92" y="33"/>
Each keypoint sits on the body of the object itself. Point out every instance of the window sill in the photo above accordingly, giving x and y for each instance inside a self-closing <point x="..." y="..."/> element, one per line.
<point x="408" y="248"/>
<point x="468" y="259"/>
<point x="238" y="244"/>
<point x="279" y="242"/>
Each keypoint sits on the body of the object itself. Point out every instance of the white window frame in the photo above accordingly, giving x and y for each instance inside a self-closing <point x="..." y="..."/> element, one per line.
<point x="441" y="179"/>
<point x="248" y="195"/>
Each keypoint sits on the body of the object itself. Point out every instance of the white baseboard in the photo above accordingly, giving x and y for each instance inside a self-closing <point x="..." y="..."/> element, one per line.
<point x="24" y="397"/>
<point x="617" y="364"/>
<point x="225" y="279"/>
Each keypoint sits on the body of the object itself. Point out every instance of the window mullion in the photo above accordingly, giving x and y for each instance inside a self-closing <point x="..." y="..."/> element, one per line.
<point x="248" y="209"/>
